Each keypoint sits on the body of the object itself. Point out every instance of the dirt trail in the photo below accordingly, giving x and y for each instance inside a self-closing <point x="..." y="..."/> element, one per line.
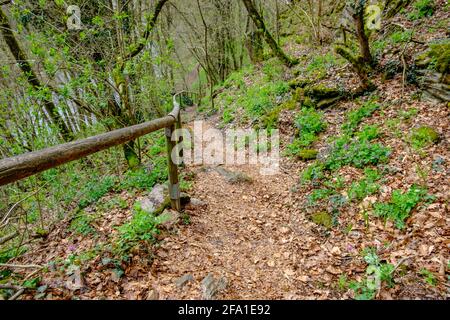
<point x="247" y="232"/>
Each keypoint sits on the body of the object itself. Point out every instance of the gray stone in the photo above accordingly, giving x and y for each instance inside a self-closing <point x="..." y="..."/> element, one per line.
<point x="154" y="199"/>
<point x="211" y="287"/>
<point x="233" y="177"/>
<point x="182" y="281"/>
<point x="197" y="202"/>
<point x="171" y="218"/>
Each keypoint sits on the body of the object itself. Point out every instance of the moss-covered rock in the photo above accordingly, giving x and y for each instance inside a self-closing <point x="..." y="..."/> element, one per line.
<point x="307" y="154"/>
<point x="322" y="92"/>
<point x="323" y="219"/>
<point x="325" y="103"/>
<point x="299" y="83"/>
<point x="423" y="136"/>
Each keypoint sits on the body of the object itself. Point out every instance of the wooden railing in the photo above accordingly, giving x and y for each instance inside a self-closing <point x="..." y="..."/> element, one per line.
<point x="28" y="164"/>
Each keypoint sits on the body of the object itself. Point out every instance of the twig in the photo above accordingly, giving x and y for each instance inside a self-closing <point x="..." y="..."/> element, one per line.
<point x="405" y="66"/>
<point x="17" y="203"/>
<point x="10" y="286"/>
<point x="21" y="266"/>
<point x="17" y="294"/>
<point x="8" y="237"/>
<point x="400" y="262"/>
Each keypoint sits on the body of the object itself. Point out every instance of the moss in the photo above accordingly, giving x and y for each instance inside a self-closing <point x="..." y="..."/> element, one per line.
<point x="299" y="83"/>
<point x="440" y="55"/>
<point x="325" y="103"/>
<point x="307" y="154"/>
<point x="322" y="92"/>
<point x="323" y="219"/>
<point x="437" y="57"/>
<point x="423" y="136"/>
<point x="299" y="95"/>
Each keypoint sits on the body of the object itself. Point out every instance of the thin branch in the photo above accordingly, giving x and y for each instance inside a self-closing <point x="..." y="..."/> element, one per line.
<point x="16" y="204"/>
<point x="21" y="266"/>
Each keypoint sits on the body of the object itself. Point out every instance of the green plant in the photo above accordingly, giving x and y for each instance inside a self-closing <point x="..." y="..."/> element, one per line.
<point x="428" y="276"/>
<point x="309" y="123"/>
<point x="355" y="152"/>
<point x="323" y="219"/>
<point x="423" y="136"/>
<point x="141" y="228"/>
<point x="400" y="205"/>
<point x="365" y="187"/>
<point x="354" y="118"/>
<point x="82" y="223"/>
<point x="96" y="189"/>
<point x="377" y="273"/>
<point x="319" y="194"/>
<point x="369" y="132"/>
<point x="408" y="114"/>
<point x="313" y="172"/>
<point x="320" y="64"/>
<point x="343" y="282"/>
<point x="401" y="36"/>
<point x="423" y="8"/>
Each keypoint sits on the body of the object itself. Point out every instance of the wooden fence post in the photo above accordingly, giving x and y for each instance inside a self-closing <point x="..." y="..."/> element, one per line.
<point x="174" y="186"/>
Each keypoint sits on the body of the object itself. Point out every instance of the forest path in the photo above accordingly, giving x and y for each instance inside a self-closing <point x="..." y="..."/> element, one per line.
<point x="247" y="232"/>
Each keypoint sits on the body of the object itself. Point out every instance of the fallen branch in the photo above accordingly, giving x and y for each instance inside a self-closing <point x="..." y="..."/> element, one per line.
<point x="17" y="294"/>
<point x="10" y="286"/>
<point x="8" y="237"/>
<point x="21" y="266"/>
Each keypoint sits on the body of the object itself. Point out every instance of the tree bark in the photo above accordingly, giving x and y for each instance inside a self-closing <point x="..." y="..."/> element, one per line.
<point x="361" y="33"/>
<point x="259" y="22"/>
<point x="33" y="80"/>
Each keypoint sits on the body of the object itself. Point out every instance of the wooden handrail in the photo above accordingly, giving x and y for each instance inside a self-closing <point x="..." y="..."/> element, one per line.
<point x="28" y="164"/>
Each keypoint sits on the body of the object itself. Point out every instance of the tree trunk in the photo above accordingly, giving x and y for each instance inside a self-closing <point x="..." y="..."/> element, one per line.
<point x="259" y="22"/>
<point x="33" y="80"/>
<point x="361" y="34"/>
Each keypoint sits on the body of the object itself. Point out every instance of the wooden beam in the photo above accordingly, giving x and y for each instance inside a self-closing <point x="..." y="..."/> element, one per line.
<point x="25" y="165"/>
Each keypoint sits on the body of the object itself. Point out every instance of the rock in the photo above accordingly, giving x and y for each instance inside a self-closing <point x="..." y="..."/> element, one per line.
<point x="322" y="92"/>
<point x="424" y="136"/>
<point x="197" y="203"/>
<point x="211" y="287"/>
<point x="325" y="103"/>
<point x="182" y="281"/>
<point x="307" y="154"/>
<point x="153" y="294"/>
<point x="154" y="199"/>
<point x="233" y="177"/>
<point x="323" y="219"/>
<point x="171" y="218"/>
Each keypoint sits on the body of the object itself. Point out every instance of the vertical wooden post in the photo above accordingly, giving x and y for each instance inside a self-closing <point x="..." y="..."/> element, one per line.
<point x="174" y="186"/>
<point x="179" y="126"/>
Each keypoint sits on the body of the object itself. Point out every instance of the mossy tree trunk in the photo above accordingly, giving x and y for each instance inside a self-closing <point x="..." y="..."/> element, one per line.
<point x="259" y="23"/>
<point x="363" y="39"/>
<point x="22" y="61"/>
<point x="124" y="113"/>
